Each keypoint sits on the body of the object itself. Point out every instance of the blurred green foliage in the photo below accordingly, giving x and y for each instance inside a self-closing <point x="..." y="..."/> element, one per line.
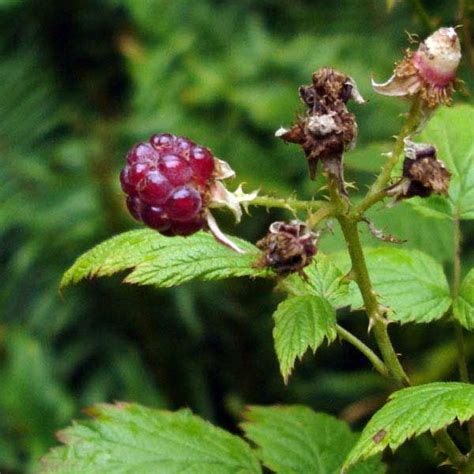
<point x="80" y="82"/>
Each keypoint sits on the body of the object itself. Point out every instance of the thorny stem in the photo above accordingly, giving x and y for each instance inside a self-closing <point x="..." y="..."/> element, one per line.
<point x="455" y="286"/>
<point x="361" y="274"/>
<point x="367" y="351"/>
<point x="377" y="191"/>
<point x="289" y="204"/>
<point x="349" y="226"/>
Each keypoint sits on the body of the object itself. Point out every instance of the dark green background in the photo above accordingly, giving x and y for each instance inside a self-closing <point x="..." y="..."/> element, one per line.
<point x="80" y="83"/>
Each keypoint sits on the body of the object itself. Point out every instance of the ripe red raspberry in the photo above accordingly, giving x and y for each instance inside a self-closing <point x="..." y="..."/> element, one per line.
<point x="168" y="181"/>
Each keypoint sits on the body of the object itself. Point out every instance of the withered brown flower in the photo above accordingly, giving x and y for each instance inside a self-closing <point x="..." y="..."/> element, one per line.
<point x="430" y="71"/>
<point x="327" y="128"/>
<point x="288" y="247"/>
<point x="423" y="173"/>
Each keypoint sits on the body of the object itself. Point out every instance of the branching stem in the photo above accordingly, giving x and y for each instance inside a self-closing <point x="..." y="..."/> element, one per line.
<point x="378" y="363"/>
<point x="377" y="191"/>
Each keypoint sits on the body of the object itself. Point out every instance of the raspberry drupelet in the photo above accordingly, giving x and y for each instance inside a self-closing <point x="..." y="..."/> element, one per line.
<point x="168" y="184"/>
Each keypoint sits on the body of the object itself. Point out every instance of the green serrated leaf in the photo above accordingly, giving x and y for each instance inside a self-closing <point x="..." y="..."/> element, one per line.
<point x="163" y="261"/>
<point x="463" y="306"/>
<point x="295" y="439"/>
<point x="301" y="322"/>
<point x="450" y="130"/>
<point x="411" y="412"/>
<point x="323" y="279"/>
<point x="126" y="438"/>
<point x="411" y="284"/>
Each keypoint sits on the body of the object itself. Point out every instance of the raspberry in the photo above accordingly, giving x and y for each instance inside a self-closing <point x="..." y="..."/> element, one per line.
<point x="168" y="183"/>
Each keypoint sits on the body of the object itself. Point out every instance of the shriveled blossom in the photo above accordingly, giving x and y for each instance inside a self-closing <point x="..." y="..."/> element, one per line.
<point x="430" y="71"/>
<point x="327" y="128"/>
<point x="423" y="173"/>
<point x="288" y="247"/>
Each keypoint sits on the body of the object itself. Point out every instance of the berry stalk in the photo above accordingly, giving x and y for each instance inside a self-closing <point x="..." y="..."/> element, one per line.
<point x="377" y="191"/>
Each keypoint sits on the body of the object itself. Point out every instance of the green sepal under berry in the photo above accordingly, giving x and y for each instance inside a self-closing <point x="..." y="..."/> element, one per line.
<point x="131" y="438"/>
<point x="411" y="412"/>
<point x="295" y="439"/>
<point x="164" y="261"/>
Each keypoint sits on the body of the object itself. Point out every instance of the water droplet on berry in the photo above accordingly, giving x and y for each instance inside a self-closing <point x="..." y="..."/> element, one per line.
<point x="155" y="189"/>
<point x="176" y="169"/>
<point x="183" y="204"/>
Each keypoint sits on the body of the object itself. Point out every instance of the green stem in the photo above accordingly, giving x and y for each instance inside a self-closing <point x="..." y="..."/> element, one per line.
<point x="289" y="204"/>
<point x="455" y="287"/>
<point x="377" y="191"/>
<point x="361" y="274"/>
<point x="349" y="226"/>
<point x="359" y="269"/>
<point x="367" y="351"/>
<point x="469" y="466"/>
<point x="446" y="443"/>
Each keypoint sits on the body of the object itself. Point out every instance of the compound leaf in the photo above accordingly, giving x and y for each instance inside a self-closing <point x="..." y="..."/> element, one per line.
<point x="295" y="439"/>
<point x="131" y="438"/>
<point x="163" y="261"/>
<point x="301" y="322"/>
<point x="411" y="412"/>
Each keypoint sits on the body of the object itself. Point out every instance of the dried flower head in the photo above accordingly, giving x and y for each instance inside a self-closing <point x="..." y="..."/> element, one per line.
<point x="430" y="71"/>
<point x="288" y="247"/>
<point x="327" y="128"/>
<point x="423" y="174"/>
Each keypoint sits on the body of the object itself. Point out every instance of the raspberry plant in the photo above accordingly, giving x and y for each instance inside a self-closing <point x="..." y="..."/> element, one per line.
<point x="173" y="184"/>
